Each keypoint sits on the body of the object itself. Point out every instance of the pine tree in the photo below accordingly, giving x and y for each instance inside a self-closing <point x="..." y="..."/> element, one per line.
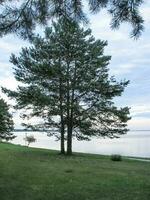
<point x="21" y="17"/>
<point x="67" y="84"/>
<point x="6" y="122"/>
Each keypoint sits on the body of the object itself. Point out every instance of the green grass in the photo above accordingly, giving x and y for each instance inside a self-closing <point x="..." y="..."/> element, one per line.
<point x="37" y="174"/>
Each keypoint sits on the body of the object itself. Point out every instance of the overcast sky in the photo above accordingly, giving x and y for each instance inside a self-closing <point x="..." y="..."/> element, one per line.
<point x="130" y="60"/>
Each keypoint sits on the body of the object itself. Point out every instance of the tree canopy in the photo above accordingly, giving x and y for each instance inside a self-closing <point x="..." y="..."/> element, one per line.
<point x="66" y="83"/>
<point x="6" y="122"/>
<point x="29" y="139"/>
<point x="22" y="17"/>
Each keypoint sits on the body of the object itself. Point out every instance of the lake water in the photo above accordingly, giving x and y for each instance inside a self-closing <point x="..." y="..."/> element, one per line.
<point x="135" y="143"/>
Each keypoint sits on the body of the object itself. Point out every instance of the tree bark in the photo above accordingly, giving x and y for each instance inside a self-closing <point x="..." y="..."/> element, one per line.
<point x="69" y="141"/>
<point x="70" y="120"/>
<point x="62" y="141"/>
<point x="69" y="131"/>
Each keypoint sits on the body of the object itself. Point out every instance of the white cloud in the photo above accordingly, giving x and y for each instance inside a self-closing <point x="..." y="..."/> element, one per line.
<point x="140" y="123"/>
<point x="140" y="109"/>
<point x="5" y="69"/>
<point x="11" y="44"/>
<point x="122" y="69"/>
<point x="145" y="11"/>
<point x="9" y="82"/>
<point x="100" y="25"/>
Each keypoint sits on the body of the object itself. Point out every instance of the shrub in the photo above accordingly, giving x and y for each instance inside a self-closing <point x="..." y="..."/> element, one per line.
<point x="116" y="157"/>
<point x="68" y="170"/>
<point x="29" y="139"/>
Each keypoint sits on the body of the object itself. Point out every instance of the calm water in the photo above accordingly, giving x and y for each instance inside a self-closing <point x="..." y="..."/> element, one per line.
<point x="135" y="143"/>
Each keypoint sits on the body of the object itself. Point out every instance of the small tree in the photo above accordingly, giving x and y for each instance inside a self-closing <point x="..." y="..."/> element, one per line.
<point x="30" y="139"/>
<point x="6" y="122"/>
<point x="66" y="83"/>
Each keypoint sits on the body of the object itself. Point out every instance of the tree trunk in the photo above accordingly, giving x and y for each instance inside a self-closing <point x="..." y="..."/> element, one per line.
<point x="62" y="143"/>
<point x="70" y="120"/>
<point x="69" y="141"/>
<point x="69" y="131"/>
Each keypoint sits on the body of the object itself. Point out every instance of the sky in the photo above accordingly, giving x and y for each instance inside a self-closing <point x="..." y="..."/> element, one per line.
<point x="130" y="61"/>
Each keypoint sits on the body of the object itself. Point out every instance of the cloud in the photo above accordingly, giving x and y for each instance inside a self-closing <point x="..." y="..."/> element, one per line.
<point x="138" y="110"/>
<point x="11" y="44"/>
<point x="9" y="82"/>
<point x="140" y="123"/>
<point x="145" y="11"/>
<point x="100" y="25"/>
<point x="5" y="69"/>
<point x="123" y="68"/>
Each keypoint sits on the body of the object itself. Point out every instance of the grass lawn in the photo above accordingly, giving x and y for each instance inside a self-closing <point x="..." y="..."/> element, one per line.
<point x="37" y="174"/>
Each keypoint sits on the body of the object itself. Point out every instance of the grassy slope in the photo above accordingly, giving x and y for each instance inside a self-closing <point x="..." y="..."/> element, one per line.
<point x="36" y="174"/>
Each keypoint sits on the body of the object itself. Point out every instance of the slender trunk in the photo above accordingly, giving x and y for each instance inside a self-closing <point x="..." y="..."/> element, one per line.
<point x="62" y="143"/>
<point x="71" y="106"/>
<point x="69" y="131"/>
<point x="62" y="129"/>
<point x="69" y="135"/>
<point x="70" y="128"/>
<point x="69" y="141"/>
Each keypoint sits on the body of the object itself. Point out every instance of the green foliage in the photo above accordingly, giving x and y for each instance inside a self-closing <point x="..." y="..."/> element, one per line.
<point x="40" y="174"/>
<point x="30" y="139"/>
<point x="6" y="122"/>
<point x="66" y="83"/>
<point x="116" y="157"/>
<point x="22" y="17"/>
